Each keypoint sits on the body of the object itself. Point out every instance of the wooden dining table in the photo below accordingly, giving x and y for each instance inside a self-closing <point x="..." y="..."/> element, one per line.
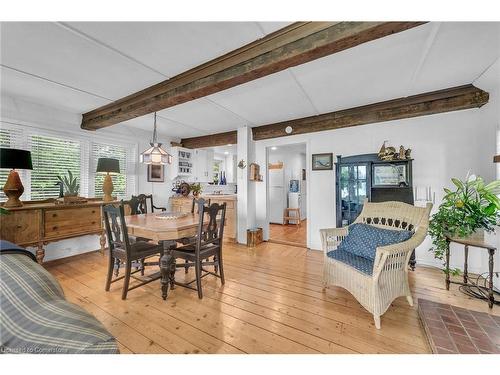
<point x="167" y="232"/>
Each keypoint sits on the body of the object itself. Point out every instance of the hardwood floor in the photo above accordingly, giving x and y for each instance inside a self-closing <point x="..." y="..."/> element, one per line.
<point x="289" y="234"/>
<point x="272" y="302"/>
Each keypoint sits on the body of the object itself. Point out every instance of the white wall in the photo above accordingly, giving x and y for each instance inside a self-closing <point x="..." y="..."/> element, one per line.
<point x="30" y="115"/>
<point x="444" y="146"/>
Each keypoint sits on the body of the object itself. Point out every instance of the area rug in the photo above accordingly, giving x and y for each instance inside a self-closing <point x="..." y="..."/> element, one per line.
<point x="454" y="330"/>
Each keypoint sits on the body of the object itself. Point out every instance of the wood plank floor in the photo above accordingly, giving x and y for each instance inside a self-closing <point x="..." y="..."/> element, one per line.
<point x="289" y="234"/>
<point x="272" y="302"/>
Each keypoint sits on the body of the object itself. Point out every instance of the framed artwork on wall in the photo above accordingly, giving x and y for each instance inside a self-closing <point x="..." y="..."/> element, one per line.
<point x="156" y="173"/>
<point x="322" y="162"/>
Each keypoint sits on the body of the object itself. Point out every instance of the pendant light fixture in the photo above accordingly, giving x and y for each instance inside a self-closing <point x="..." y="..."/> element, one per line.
<point x="155" y="154"/>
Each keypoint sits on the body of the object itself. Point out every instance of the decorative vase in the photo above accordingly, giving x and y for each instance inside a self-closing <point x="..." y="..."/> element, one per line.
<point x="13" y="189"/>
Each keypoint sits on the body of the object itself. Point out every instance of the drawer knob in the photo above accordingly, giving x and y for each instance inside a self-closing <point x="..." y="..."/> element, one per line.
<point x="93" y="222"/>
<point x="19" y="226"/>
<point x="54" y="215"/>
<point x="54" y="228"/>
<point x="93" y="211"/>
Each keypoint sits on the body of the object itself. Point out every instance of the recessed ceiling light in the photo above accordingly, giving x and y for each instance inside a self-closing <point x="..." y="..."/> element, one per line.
<point x="229" y="144"/>
<point x="274" y="148"/>
<point x="226" y="152"/>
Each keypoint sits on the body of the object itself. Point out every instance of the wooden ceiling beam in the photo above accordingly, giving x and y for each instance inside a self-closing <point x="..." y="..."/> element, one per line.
<point x="219" y="139"/>
<point x="293" y="45"/>
<point x="447" y="100"/>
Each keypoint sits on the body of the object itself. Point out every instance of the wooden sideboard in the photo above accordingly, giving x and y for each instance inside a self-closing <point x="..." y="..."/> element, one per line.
<point x="38" y="223"/>
<point x="184" y="204"/>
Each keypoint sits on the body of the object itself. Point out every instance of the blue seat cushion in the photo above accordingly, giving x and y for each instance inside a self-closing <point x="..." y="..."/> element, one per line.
<point x="362" y="264"/>
<point x="363" y="239"/>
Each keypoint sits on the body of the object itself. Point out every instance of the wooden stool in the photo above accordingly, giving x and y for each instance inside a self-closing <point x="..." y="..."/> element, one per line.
<point x="287" y="217"/>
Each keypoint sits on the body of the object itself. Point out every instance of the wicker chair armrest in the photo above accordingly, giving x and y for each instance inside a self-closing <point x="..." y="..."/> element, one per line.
<point x="332" y="237"/>
<point x="404" y="248"/>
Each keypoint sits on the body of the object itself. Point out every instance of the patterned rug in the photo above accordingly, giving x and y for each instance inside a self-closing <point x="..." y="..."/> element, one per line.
<point x="454" y="330"/>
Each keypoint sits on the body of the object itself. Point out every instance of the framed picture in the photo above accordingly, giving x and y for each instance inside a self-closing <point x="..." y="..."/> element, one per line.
<point x="156" y="173"/>
<point x="322" y="162"/>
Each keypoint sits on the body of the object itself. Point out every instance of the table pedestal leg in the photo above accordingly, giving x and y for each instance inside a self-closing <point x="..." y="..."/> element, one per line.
<point x="491" y="298"/>
<point x="167" y="268"/>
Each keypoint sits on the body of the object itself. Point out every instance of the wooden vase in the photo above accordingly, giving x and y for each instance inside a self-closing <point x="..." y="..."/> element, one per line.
<point x="107" y="188"/>
<point x="13" y="189"/>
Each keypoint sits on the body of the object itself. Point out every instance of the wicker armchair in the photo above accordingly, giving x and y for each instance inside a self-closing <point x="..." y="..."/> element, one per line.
<point x="389" y="278"/>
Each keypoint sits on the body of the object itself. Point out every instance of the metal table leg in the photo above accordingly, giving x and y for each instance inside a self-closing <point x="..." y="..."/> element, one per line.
<point x="491" y="298"/>
<point x="466" y="252"/>
<point x="447" y="265"/>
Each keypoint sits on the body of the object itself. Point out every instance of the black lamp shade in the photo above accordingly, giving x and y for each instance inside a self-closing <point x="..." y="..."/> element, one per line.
<point x="108" y="165"/>
<point x="13" y="158"/>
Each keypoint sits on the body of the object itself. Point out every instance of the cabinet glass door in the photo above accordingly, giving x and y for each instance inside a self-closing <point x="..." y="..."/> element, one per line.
<point x="353" y="191"/>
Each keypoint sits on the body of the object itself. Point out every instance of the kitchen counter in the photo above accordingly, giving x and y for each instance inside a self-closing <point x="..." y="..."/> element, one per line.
<point x="221" y="197"/>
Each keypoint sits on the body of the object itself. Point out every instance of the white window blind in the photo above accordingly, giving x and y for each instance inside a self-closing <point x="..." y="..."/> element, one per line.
<point x="124" y="183"/>
<point x="52" y="157"/>
<point x="54" y="154"/>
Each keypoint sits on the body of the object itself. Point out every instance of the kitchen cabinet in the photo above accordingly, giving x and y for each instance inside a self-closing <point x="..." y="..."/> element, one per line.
<point x="203" y="165"/>
<point x="183" y="163"/>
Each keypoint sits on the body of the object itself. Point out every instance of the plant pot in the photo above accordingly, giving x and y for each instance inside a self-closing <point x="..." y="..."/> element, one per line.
<point x="71" y="198"/>
<point x="478" y="235"/>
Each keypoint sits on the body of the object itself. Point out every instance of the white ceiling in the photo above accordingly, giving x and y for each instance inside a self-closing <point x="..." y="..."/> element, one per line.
<point x="80" y="66"/>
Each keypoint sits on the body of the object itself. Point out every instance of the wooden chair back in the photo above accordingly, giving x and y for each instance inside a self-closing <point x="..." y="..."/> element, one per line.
<point x="210" y="231"/>
<point x="116" y="228"/>
<point x="195" y="202"/>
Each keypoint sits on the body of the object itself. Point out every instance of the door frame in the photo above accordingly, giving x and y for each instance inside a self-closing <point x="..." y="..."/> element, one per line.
<point x="308" y="165"/>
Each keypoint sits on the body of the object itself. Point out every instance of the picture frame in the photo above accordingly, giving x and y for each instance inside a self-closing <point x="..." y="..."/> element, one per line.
<point x="156" y="173"/>
<point x="322" y="162"/>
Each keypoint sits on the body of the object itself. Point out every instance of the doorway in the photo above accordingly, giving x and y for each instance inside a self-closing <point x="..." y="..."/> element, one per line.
<point x="287" y="194"/>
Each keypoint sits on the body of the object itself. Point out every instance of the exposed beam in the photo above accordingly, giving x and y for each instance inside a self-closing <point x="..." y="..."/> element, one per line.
<point x="293" y="45"/>
<point x="447" y="100"/>
<point x="219" y="139"/>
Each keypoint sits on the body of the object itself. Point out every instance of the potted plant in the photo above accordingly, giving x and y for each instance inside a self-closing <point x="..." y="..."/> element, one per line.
<point x="196" y="189"/>
<point x="71" y="187"/>
<point x="467" y="211"/>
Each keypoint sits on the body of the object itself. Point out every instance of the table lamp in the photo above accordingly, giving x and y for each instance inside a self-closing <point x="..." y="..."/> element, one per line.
<point x="108" y="165"/>
<point x="11" y="158"/>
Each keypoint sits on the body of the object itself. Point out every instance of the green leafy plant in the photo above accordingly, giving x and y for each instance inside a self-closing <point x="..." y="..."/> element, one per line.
<point x="473" y="205"/>
<point x="70" y="183"/>
<point x="196" y="189"/>
<point x="4" y="211"/>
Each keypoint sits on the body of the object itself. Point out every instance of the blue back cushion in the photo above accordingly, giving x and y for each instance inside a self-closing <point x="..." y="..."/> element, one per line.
<point x="363" y="239"/>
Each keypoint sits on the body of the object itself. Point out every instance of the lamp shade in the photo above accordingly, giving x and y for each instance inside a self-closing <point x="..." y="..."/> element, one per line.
<point x="108" y="165"/>
<point x="13" y="158"/>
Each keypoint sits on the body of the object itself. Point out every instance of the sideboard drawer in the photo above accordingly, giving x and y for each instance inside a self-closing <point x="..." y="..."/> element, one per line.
<point x="72" y="221"/>
<point x="20" y="227"/>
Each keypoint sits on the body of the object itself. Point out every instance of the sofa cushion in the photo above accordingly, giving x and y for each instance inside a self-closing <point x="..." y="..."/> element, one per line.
<point x="363" y="239"/>
<point x="36" y="318"/>
<point x="362" y="264"/>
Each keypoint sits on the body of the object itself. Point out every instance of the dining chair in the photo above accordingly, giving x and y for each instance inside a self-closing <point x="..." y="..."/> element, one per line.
<point x="143" y="203"/>
<point x="188" y="240"/>
<point x="206" y="244"/>
<point x="121" y="249"/>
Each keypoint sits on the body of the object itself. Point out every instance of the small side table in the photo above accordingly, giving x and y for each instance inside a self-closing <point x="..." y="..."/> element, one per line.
<point x="475" y="243"/>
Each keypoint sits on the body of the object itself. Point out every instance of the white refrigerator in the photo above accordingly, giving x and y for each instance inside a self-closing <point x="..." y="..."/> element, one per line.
<point x="298" y="199"/>
<point x="277" y="196"/>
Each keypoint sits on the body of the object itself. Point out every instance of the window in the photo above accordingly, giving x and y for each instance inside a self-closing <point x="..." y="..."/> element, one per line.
<point x="52" y="157"/>
<point x="123" y="183"/>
